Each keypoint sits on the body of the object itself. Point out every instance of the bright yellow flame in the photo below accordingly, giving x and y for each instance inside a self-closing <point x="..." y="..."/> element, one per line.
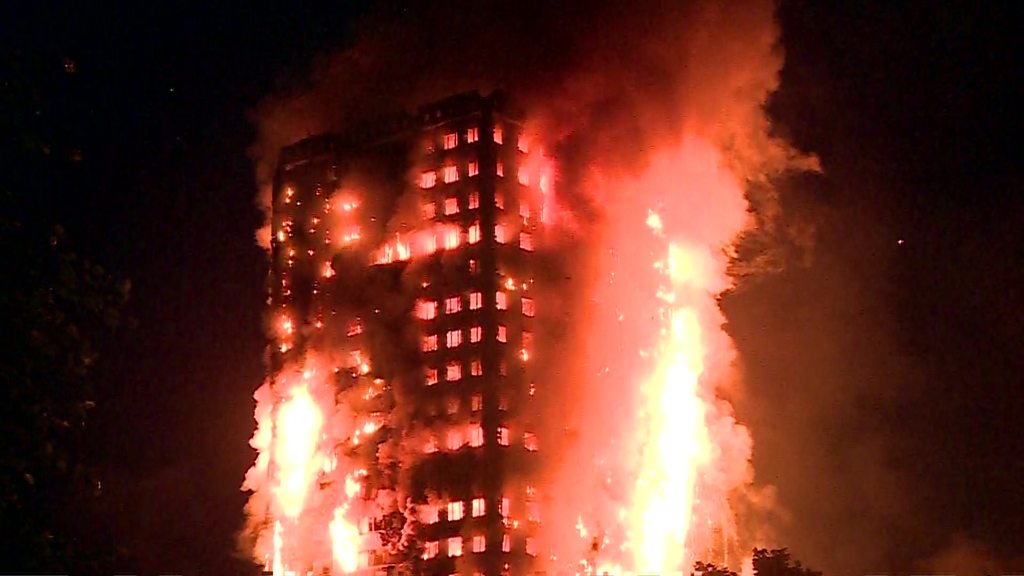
<point x="678" y="442"/>
<point x="299" y="421"/>
<point x="344" y="542"/>
<point x="278" y="541"/>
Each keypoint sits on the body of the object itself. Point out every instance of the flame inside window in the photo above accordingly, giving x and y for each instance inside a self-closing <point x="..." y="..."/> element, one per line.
<point x="452" y="304"/>
<point x="455" y="546"/>
<point x="479" y="543"/>
<point x="451" y="238"/>
<point x="533" y="511"/>
<point x="476" y="334"/>
<point x="526" y="241"/>
<point x="450" y="141"/>
<point x="453" y="371"/>
<point x="530" y="441"/>
<point x="456" y="510"/>
<point x="451" y="206"/>
<point x="476" y="440"/>
<point x="430" y="343"/>
<point x="473" y="168"/>
<point x="475" y="368"/>
<point x="428" y="179"/>
<point x="430" y="550"/>
<point x="451" y="173"/>
<point x="426" y="309"/>
<point x="429" y="513"/>
<point x="529" y="307"/>
<point x="431" y="446"/>
<point x="472" y="134"/>
<point x="454" y="443"/>
<point x="479" y="507"/>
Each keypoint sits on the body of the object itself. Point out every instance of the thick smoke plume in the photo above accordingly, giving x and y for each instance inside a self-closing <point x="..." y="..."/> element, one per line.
<point x="605" y="82"/>
<point x="654" y="115"/>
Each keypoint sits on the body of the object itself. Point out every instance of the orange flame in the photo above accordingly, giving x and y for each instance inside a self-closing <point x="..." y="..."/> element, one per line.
<point x="298" y="424"/>
<point x="418" y="243"/>
<point x="665" y="447"/>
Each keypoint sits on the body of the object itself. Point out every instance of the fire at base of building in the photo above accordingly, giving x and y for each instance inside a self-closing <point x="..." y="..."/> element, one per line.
<point x="397" y="427"/>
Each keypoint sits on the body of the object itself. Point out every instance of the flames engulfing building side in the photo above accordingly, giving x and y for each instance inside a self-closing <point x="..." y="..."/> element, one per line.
<point x="398" y="424"/>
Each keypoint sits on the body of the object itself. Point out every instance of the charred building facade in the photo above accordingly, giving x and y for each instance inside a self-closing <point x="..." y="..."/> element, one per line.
<point x="404" y="256"/>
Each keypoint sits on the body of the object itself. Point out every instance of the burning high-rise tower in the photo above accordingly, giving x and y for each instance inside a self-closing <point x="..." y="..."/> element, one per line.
<point x="398" y="427"/>
<point x="405" y="421"/>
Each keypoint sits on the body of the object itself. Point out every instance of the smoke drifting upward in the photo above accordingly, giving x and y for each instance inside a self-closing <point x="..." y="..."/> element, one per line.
<point x="653" y="114"/>
<point x="609" y="83"/>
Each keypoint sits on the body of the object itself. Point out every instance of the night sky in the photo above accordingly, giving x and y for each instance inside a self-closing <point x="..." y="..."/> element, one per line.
<point x="883" y="374"/>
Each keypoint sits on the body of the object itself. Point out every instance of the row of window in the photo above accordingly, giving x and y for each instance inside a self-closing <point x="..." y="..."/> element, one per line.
<point x="432" y="549"/>
<point x="452" y="206"/>
<point x="456" y="509"/>
<point x="476" y="403"/>
<point x="456" y="438"/>
<point x="427" y="309"/>
<point x="451" y="139"/>
<point x="450" y="174"/>
<point x="452" y="237"/>
<point x="453" y="338"/>
<point x="472" y="134"/>
<point x="453" y="371"/>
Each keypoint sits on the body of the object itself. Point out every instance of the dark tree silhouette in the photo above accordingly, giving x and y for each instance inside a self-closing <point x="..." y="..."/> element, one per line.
<point x="709" y="569"/>
<point x="57" y="310"/>
<point x="778" y="563"/>
<point x="766" y="563"/>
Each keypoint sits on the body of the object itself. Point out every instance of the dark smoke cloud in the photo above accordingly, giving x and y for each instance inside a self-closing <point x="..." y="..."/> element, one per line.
<point x="605" y="81"/>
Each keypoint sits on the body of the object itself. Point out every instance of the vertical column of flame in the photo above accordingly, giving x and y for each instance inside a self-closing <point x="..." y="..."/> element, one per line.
<point x="278" y="562"/>
<point x="345" y="538"/>
<point x="678" y="443"/>
<point x="666" y="448"/>
<point x="296" y="455"/>
<point x="344" y="542"/>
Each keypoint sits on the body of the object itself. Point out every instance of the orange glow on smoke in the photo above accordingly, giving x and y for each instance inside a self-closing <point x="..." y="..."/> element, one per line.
<point x="679" y="444"/>
<point x="661" y="449"/>
<point x="666" y="450"/>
